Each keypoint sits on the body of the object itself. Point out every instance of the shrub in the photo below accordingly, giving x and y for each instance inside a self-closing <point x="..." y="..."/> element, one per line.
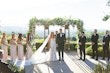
<point x="38" y="45"/>
<point x="73" y="38"/>
<point x="100" y="51"/>
<point x="100" y="69"/>
<point x="73" y="46"/>
<point x="89" y="51"/>
<point x="88" y="44"/>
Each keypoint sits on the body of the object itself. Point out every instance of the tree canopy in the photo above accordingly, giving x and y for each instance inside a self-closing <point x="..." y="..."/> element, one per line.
<point x="106" y="17"/>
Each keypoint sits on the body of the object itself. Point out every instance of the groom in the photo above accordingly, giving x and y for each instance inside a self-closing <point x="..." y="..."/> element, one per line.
<point x="60" y="42"/>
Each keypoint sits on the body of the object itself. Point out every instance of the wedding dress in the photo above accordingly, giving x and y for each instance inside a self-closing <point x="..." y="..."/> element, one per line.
<point x="52" y="52"/>
<point x="40" y="57"/>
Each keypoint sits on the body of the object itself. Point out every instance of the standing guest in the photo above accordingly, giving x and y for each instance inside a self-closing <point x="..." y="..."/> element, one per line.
<point x="29" y="46"/>
<point x="82" y="41"/>
<point x="61" y="39"/>
<point x="20" y="47"/>
<point x="94" y="41"/>
<point x="13" y="51"/>
<point x="106" y="40"/>
<point x="4" y="46"/>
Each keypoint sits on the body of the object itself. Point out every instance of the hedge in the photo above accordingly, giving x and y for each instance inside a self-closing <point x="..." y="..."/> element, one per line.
<point x="73" y="47"/>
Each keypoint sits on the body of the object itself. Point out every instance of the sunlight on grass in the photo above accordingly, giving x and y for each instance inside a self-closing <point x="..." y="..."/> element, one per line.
<point x="39" y="40"/>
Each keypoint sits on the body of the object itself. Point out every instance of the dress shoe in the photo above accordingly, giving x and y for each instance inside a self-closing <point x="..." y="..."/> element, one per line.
<point x="83" y="59"/>
<point x="103" y="58"/>
<point x="96" y="59"/>
<point x="62" y="59"/>
<point x="80" y="59"/>
<point x="92" y="57"/>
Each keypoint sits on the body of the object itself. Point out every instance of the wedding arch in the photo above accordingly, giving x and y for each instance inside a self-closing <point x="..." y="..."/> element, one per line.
<point x="63" y="22"/>
<point x="56" y="21"/>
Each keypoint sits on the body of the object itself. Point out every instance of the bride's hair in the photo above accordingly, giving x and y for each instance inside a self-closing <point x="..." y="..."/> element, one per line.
<point x="52" y="34"/>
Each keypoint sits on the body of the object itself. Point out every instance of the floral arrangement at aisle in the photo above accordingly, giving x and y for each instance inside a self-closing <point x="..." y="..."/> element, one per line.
<point x="15" y="68"/>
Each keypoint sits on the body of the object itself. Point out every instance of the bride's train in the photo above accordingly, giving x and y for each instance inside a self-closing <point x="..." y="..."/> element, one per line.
<point x="39" y="56"/>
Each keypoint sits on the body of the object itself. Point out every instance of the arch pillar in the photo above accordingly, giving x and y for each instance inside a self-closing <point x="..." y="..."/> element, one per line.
<point x="68" y="37"/>
<point x="46" y="27"/>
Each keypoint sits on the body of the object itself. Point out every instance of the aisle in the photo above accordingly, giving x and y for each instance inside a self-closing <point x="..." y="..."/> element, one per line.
<point x="71" y="64"/>
<point x="66" y="66"/>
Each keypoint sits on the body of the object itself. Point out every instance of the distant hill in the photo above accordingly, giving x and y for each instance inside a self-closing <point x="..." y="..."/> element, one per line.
<point x="40" y="32"/>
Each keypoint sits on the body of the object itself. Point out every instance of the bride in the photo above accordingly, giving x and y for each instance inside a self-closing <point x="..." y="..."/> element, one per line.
<point x="40" y="57"/>
<point x="52" y="47"/>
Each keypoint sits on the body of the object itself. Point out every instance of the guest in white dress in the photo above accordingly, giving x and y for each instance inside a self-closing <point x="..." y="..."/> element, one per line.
<point x="13" y="51"/>
<point x="52" y="47"/>
<point x="29" y="46"/>
<point x="20" y="47"/>
<point x="4" y="46"/>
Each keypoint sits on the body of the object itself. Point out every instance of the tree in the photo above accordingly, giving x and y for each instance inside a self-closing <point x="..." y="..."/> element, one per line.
<point x="106" y="17"/>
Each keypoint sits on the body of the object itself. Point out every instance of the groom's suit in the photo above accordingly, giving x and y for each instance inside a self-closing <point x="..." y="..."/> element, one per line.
<point x="61" y="41"/>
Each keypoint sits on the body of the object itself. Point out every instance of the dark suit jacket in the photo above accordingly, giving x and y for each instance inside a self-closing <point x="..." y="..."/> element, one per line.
<point x="83" y="41"/>
<point x="61" y="40"/>
<point x="106" y="40"/>
<point x="94" y="38"/>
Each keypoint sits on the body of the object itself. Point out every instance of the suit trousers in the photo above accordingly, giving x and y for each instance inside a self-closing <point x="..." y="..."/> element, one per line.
<point x="61" y="50"/>
<point x="82" y="51"/>
<point x="95" y="49"/>
<point x="106" y="50"/>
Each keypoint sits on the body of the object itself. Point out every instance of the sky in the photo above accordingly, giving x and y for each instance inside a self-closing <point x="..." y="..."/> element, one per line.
<point x="19" y="12"/>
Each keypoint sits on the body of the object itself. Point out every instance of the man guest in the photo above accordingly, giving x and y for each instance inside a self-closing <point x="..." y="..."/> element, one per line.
<point x="106" y="40"/>
<point x="60" y="42"/>
<point x="94" y="41"/>
<point x="82" y="41"/>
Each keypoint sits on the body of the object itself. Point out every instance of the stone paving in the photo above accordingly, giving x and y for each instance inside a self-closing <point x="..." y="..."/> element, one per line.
<point x="71" y="64"/>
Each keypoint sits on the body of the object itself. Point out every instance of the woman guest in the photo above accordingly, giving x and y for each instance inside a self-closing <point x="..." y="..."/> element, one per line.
<point x="29" y="46"/>
<point x="20" y="47"/>
<point x="4" y="46"/>
<point x="13" y="52"/>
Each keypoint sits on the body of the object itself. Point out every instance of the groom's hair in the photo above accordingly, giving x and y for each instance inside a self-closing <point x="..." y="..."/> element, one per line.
<point x="60" y="29"/>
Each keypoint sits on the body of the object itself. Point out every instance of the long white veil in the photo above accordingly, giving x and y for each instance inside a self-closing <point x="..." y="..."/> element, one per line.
<point x="38" y="56"/>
